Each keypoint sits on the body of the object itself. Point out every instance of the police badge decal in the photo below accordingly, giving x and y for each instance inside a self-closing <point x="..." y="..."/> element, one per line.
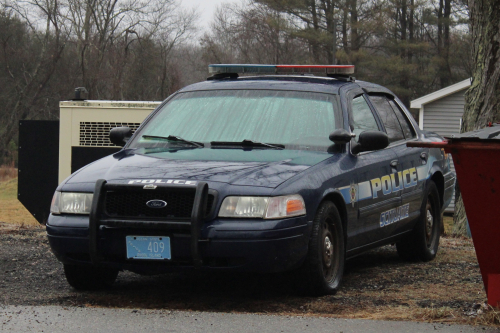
<point x="352" y="192"/>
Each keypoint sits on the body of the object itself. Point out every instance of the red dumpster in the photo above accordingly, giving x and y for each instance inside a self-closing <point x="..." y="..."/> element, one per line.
<point x="476" y="156"/>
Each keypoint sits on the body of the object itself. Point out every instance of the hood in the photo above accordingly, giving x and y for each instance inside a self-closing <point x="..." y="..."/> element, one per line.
<point x="255" y="167"/>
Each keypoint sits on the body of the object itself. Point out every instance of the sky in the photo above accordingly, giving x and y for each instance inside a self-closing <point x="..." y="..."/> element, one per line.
<point x="206" y="8"/>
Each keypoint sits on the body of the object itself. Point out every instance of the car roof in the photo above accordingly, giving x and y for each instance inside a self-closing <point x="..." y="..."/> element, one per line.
<point x="286" y="82"/>
<point x="373" y="88"/>
<point x="273" y="82"/>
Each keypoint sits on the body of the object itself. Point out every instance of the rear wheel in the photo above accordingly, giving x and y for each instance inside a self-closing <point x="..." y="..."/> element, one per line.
<point x="89" y="277"/>
<point x="323" y="268"/>
<point x="423" y="242"/>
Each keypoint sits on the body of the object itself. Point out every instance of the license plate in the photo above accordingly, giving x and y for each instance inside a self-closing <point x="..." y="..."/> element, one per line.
<point x="148" y="247"/>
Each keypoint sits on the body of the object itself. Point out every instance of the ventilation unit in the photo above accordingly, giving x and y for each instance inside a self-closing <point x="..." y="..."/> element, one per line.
<point x="84" y="129"/>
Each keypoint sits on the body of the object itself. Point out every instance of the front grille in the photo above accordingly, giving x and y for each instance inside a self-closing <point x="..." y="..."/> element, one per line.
<point x="132" y="204"/>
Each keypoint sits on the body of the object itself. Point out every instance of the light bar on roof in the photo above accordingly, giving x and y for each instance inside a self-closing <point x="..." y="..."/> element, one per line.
<point x="280" y="69"/>
<point x="238" y="68"/>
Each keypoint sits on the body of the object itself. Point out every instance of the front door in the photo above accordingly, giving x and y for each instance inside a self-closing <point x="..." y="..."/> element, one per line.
<point x="400" y="130"/>
<point x="375" y="196"/>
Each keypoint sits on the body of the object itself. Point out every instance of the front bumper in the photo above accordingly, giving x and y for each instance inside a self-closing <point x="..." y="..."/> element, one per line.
<point x="239" y="245"/>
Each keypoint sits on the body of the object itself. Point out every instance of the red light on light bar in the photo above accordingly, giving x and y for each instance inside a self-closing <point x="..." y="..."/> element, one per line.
<point x="325" y="69"/>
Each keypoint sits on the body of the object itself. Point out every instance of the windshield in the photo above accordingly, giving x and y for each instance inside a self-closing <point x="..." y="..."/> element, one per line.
<point x="303" y="120"/>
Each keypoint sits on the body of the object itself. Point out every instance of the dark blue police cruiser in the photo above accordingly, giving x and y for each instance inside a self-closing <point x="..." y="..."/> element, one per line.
<point x="278" y="171"/>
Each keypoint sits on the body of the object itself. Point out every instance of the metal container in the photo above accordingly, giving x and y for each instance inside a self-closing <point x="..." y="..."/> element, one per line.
<point x="477" y="163"/>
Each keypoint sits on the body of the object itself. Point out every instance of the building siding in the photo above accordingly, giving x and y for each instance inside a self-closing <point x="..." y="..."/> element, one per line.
<point x="443" y="117"/>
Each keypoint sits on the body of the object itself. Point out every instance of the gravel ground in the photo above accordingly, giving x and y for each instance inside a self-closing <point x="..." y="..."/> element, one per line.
<point x="377" y="285"/>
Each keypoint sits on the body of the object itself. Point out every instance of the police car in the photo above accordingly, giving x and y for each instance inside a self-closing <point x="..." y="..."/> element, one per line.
<point x="275" y="171"/>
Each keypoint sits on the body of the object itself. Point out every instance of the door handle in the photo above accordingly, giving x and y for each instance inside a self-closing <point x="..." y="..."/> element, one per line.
<point x="394" y="163"/>
<point x="423" y="157"/>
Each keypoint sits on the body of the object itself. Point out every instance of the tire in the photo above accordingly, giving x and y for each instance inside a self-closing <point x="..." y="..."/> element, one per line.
<point x="423" y="242"/>
<point x="322" y="270"/>
<point x="89" y="277"/>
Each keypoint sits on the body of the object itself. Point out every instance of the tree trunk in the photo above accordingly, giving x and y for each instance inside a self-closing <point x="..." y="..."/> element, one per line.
<point x="354" y="26"/>
<point x="411" y="28"/>
<point x="482" y="100"/>
<point x="315" y="43"/>
<point x="345" y="13"/>
<point x="404" y="79"/>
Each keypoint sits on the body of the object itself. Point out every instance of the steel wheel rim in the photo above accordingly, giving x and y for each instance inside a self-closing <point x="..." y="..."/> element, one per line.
<point x="329" y="251"/>
<point x="429" y="223"/>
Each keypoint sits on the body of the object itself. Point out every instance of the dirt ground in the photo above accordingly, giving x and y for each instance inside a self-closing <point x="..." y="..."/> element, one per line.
<point x="376" y="285"/>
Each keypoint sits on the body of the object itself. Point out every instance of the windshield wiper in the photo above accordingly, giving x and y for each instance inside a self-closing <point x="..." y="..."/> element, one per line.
<point x="175" y="138"/>
<point x="247" y="143"/>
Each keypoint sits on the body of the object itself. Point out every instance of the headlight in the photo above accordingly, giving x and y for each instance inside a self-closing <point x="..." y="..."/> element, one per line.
<point x="71" y="203"/>
<point x="263" y="207"/>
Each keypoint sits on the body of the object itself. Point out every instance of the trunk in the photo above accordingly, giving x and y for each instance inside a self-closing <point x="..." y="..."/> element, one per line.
<point x="440" y="26"/>
<point x="403" y="28"/>
<point x="330" y="28"/>
<point x="404" y="80"/>
<point x="446" y="42"/>
<point x="84" y="43"/>
<point x="482" y="100"/>
<point x="354" y="26"/>
<point x="344" y="29"/>
<point x="314" y="41"/>
<point x="444" y="72"/>
<point x="411" y="28"/>
<point x="396" y="19"/>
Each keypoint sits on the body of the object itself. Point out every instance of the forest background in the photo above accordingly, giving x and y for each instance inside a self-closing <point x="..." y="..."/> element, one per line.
<point x="146" y="50"/>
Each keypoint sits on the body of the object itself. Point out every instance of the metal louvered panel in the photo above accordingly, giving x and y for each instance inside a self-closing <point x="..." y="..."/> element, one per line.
<point x="96" y="133"/>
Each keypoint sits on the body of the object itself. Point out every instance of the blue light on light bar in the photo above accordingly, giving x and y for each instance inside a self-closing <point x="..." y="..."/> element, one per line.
<point x="280" y="69"/>
<point x="241" y="68"/>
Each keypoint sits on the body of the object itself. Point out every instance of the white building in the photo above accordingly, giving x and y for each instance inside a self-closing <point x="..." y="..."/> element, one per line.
<point x="441" y="112"/>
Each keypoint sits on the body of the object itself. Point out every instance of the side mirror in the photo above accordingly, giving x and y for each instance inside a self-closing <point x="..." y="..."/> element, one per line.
<point x="120" y="135"/>
<point x="370" y="140"/>
<point x="340" y="136"/>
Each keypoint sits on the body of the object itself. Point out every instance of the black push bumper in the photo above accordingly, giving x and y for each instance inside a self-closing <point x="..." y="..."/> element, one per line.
<point x="96" y="220"/>
<point x="203" y="241"/>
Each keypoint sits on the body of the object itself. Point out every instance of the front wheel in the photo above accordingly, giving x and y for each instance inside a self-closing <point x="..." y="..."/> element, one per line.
<point x="324" y="265"/>
<point x="422" y="244"/>
<point x="89" y="277"/>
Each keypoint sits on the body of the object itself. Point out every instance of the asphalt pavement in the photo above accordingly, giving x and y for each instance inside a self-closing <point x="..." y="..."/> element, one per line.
<point x="85" y="319"/>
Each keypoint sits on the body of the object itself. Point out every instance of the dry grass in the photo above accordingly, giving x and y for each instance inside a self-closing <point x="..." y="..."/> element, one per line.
<point x="487" y="315"/>
<point x="11" y="210"/>
<point x="448" y="224"/>
<point x="7" y="172"/>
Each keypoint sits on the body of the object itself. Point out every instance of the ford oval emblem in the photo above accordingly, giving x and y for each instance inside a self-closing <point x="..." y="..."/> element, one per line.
<point x="156" y="203"/>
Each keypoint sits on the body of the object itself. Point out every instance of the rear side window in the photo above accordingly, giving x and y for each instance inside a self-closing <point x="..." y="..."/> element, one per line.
<point x="362" y="117"/>
<point x="408" y="130"/>
<point x="388" y="117"/>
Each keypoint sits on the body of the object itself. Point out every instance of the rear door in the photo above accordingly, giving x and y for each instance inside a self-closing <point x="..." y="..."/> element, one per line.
<point x="405" y="181"/>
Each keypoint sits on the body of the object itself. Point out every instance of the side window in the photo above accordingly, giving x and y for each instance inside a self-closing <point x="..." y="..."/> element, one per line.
<point x="362" y="117"/>
<point x="408" y="130"/>
<point x="388" y="117"/>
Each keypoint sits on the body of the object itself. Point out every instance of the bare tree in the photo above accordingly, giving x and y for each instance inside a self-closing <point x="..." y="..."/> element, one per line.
<point x="483" y="97"/>
<point x="104" y="27"/>
<point x="32" y="75"/>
